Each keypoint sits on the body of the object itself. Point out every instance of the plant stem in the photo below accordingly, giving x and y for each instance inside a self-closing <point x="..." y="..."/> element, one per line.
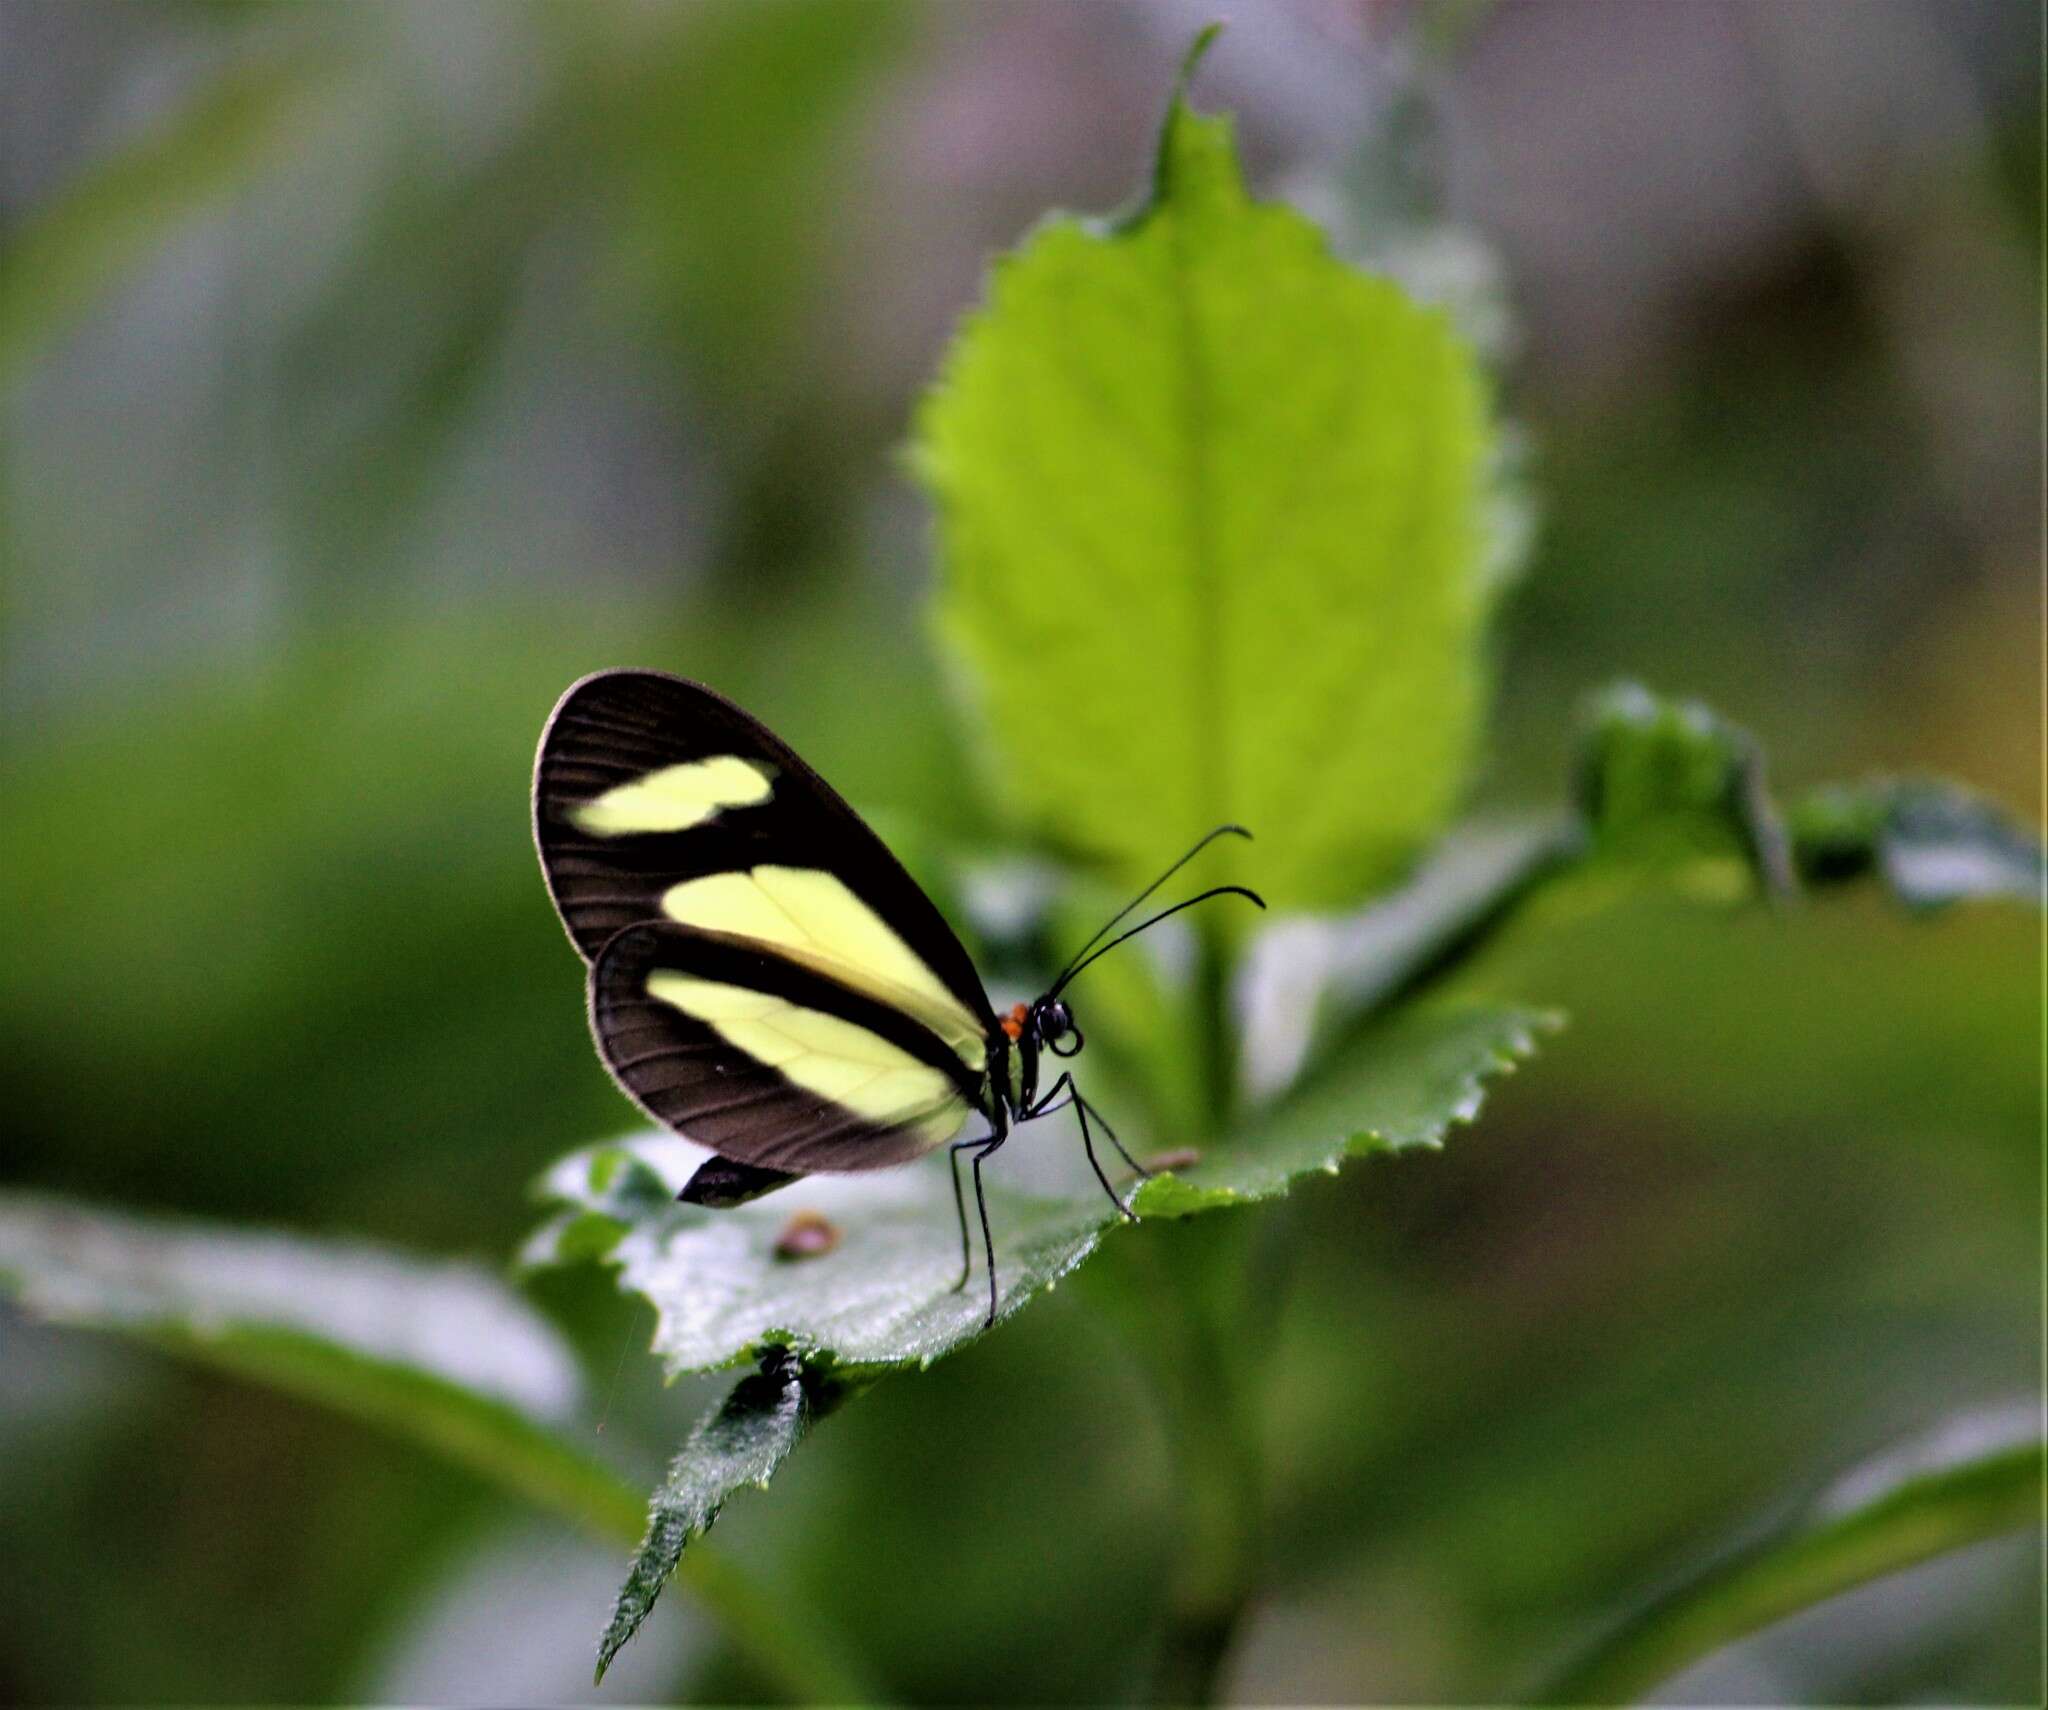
<point x="1215" y="1038"/>
<point x="1203" y="1378"/>
<point x="1219" y="1557"/>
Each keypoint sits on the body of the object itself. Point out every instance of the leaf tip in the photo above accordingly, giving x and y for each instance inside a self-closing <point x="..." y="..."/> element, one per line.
<point x="1205" y="38"/>
<point x="1177" y="110"/>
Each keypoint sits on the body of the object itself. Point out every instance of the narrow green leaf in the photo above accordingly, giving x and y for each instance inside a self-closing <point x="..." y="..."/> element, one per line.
<point x="1977" y="1479"/>
<point x="83" y="242"/>
<point x="741" y="1441"/>
<point x="440" y="1353"/>
<point x="1930" y="842"/>
<point x="885" y="1296"/>
<point x="1211" y="510"/>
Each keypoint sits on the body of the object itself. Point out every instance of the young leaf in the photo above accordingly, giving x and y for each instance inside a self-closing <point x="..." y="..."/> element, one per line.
<point x="741" y="1441"/>
<point x="1976" y="1479"/>
<point x="1930" y="842"/>
<point x="885" y="1294"/>
<point x="1671" y="785"/>
<point x="1210" y="514"/>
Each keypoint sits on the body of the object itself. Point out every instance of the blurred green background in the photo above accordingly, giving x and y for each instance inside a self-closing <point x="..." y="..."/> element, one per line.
<point x="370" y="372"/>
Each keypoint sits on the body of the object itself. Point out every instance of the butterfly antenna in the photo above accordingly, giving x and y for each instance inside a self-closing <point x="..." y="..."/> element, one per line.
<point x="1201" y="843"/>
<point x="1132" y="932"/>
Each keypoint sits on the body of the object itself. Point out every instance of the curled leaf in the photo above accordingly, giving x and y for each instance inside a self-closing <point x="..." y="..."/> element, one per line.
<point x="1672" y="786"/>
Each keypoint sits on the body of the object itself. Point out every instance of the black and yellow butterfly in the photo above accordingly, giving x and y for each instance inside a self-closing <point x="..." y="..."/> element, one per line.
<point x="765" y="978"/>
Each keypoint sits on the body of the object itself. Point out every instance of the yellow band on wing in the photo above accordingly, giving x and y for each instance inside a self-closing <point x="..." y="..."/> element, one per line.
<point x="813" y="918"/>
<point x="857" y="1070"/>
<point x="674" y="798"/>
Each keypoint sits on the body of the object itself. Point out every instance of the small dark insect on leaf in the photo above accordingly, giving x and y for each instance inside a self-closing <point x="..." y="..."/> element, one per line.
<point x="1179" y="1158"/>
<point x="807" y="1235"/>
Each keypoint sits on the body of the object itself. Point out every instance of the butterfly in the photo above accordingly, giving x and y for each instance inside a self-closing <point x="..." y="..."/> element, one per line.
<point x="765" y="978"/>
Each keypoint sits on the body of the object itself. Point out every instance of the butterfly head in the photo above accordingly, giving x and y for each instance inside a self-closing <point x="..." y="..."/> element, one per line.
<point x="1048" y="1022"/>
<point x="1053" y="1023"/>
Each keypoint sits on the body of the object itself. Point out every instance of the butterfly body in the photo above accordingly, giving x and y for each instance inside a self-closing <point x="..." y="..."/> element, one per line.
<point x="764" y="976"/>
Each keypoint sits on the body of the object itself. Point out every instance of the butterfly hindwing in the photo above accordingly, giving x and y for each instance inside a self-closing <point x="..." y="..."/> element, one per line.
<point x="769" y="1061"/>
<point x="722" y="1183"/>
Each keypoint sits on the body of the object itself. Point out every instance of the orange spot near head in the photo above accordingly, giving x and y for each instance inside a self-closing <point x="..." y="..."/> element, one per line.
<point x="1013" y="1023"/>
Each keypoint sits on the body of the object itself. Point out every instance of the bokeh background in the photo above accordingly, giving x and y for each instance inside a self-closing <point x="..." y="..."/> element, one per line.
<point x="369" y="372"/>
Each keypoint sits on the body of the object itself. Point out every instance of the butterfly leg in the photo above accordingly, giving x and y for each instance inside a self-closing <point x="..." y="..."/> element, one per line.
<point x="981" y="1146"/>
<point x="1083" y="1109"/>
<point x="960" y="1208"/>
<point x="1090" y="1110"/>
<point x="988" y="1245"/>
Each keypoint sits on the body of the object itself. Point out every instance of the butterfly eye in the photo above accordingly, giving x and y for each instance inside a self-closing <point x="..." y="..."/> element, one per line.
<point x="1056" y="1028"/>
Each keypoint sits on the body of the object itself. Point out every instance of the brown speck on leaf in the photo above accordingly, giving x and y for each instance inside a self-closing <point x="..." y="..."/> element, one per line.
<point x="807" y="1235"/>
<point x="1180" y="1158"/>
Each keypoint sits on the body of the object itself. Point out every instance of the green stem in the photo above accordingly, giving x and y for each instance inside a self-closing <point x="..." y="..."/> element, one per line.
<point x="1196" y="1279"/>
<point x="1220" y="1553"/>
<point x="1215" y="1037"/>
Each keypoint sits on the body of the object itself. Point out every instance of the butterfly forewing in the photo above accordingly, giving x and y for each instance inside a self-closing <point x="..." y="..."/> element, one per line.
<point x="768" y="1061"/>
<point x="765" y="976"/>
<point x="656" y="797"/>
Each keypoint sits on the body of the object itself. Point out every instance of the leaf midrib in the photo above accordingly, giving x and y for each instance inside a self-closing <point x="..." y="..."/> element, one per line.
<point x="1210" y="760"/>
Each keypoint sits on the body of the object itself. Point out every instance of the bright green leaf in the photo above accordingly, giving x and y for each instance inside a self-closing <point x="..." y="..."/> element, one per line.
<point x="741" y="1441"/>
<point x="885" y="1297"/>
<point x="1977" y="1479"/>
<point x="1211" y="511"/>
